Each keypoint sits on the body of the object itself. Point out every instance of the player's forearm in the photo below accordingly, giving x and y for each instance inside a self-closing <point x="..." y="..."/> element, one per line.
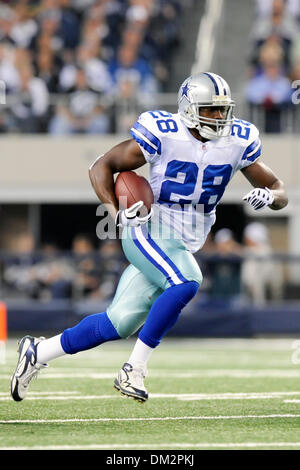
<point x="261" y="176"/>
<point x="102" y="179"/>
<point x="280" y="196"/>
<point x="123" y="157"/>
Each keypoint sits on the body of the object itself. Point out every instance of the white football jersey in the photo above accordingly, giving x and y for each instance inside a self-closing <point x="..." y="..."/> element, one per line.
<point x="188" y="177"/>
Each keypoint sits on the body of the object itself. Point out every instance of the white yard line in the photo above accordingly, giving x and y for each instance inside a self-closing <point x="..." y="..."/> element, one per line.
<point x="231" y="396"/>
<point x="232" y="373"/>
<point x="178" y="396"/>
<point x="64" y="397"/>
<point x="74" y="395"/>
<point x="167" y="418"/>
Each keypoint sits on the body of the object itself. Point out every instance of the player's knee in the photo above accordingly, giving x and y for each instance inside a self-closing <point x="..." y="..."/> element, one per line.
<point x="195" y="285"/>
<point x="181" y="294"/>
<point x="188" y="291"/>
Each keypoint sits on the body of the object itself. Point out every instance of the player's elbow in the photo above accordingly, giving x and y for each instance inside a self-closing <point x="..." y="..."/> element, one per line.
<point x="94" y="165"/>
<point x="284" y="200"/>
<point x="280" y="203"/>
<point x="92" y="175"/>
<point x="98" y="168"/>
<point x="281" y="196"/>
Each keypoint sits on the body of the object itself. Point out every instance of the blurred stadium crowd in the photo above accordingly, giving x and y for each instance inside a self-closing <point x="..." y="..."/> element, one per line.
<point x="90" y="271"/>
<point x="85" y="66"/>
<point x="274" y="63"/>
<point x="66" y="62"/>
<point x="84" y="272"/>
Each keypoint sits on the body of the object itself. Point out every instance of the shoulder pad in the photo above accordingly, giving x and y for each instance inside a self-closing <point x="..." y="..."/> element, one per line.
<point x="246" y="135"/>
<point x="244" y="132"/>
<point x="145" y="132"/>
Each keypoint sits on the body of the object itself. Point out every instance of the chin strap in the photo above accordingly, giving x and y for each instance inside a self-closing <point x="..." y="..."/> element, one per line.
<point x="211" y="135"/>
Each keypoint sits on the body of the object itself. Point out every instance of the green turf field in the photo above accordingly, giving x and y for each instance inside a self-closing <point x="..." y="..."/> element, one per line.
<point x="204" y="394"/>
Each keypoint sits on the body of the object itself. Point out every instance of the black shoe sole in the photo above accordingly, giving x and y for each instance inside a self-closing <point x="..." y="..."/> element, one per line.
<point x="129" y="394"/>
<point x="13" y="391"/>
<point x="15" y="394"/>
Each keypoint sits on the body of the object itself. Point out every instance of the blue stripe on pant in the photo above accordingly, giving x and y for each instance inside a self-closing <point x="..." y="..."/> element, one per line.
<point x="146" y="245"/>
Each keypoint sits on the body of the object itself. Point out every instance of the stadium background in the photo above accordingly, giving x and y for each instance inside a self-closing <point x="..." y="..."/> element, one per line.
<point x="75" y="74"/>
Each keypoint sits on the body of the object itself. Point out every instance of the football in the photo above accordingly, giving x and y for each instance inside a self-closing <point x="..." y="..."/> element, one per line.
<point x="131" y="188"/>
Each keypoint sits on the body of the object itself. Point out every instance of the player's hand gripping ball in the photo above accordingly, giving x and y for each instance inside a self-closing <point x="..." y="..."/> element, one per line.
<point x="135" y="198"/>
<point x="131" y="216"/>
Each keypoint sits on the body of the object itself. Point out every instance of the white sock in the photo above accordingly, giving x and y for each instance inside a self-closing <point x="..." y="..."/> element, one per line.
<point x="49" y="349"/>
<point x="140" y="353"/>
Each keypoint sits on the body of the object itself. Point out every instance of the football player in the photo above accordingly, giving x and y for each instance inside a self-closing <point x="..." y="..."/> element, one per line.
<point x="192" y="157"/>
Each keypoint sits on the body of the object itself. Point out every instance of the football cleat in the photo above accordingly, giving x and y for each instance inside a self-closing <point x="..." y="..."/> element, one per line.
<point x="130" y="381"/>
<point x="27" y="367"/>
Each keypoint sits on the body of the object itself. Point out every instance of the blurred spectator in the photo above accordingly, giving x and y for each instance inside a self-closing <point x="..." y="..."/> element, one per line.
<point x="102" y="25"/>
<point x="82" y="5"/>
<point x="275" y="46"/>
<point x="96" y="71"/>
<point x="30" y="113"/>
<point x="225" y="242"/>
<point x="69" y="24"/>
<point x="54" y="274"/>
<point x="82" y="245"/>
<point x="279" y="21"/>
<point x="11" y="60"/>
<point x="270" y="91"/>
<point x="132" y="78"/>
<point x="84" y="113"/>
<point x="278" y="29"/>
<point x="260" y="275"/>
<point x="263" y="8"/>
<point x="47" y="70"/>
<point x="49" y="32"/>
<point x="7" y="21"/>
<point x="59" y="23"/>
<point x="131" y="74"/>
<point x="87" y="268"/>
<point x="112" y="262"/>
<point x="18" y="272"/>
<point x="295" y="72"/>
<point x="97" y="273"/>
<point x="224" y="267"/>
<point x="138" y="12"/>
<point x="162" y="38"/>
<point x="295" y="51"/>
<point x="24" y="27"/>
